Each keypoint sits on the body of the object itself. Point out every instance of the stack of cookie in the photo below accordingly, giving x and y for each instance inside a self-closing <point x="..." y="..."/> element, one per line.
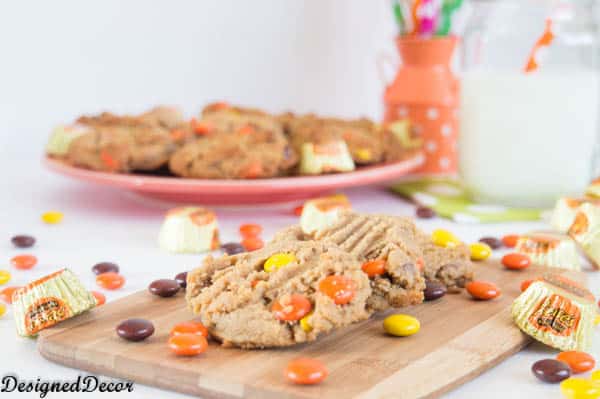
<point x="302" y="285"/>
<point x="228" y="142"/>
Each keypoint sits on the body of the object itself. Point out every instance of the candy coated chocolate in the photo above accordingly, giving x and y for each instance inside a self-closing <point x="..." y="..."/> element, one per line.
<point x="105" y="267"/>
<point x="492" y="242"/>
<point x="181" y="278"/>
<point x="135" y="329"/>
<point x="232" y="248"/>
<point x="551" y="370"/>
<point x="434" y="290"/>
<point x="424" y="212"/>
<point x="164" y="287"/>
<point x="23" y="241"/>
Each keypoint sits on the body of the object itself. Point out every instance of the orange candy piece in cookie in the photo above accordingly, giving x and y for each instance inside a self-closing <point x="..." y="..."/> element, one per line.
<point x="252" y="243"/>
<point x="201" y="128"/>
<point x="305" y="371"/>
<point x="187" y="344"/>
<point x="374" y="267"/>
<point x="110" y="280"/>
<point x="111" y="163"/>
<point x="253" y="170"/>
<point x="291" y="307"/>
<point x="189" y="327"/>
<point x="339" y="288"/>
<point x="247" y="129"/>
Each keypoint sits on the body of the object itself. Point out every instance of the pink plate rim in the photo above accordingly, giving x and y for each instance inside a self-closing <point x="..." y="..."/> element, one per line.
<point x="361" y="177"/>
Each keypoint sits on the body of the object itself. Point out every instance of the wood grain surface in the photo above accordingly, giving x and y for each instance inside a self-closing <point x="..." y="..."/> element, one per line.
<point x="459" y="339"/>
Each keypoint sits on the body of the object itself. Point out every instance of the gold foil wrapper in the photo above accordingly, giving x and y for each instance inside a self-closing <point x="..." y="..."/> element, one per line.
<point x="552" y="250"/>
<point x="593" y="189"/>
<point x="557" y="312"/>
<point x="585" y="230"/>
<point x="50" y="300"/>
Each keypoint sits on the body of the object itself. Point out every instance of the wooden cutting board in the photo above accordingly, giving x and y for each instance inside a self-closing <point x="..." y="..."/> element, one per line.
<point x="459" y="339"/>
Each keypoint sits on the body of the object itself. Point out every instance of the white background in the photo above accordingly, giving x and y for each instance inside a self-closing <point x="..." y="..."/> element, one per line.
<point x="59" y="59"/>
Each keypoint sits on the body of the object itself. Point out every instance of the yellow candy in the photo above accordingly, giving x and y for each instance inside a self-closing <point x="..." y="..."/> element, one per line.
<point x="277" y="261"/>
<point x="444" y="238"/>
<point x="363" y="154"/>
<point x="4" y="276"/>
<point x="2" y="309"/>
<point x="595" y="377"/>
<point x="52" y="217"/>
<point x="597" y="320"/>
<point x="480" y="251"/>
<point x="579" y="388"/>
<point x="401" y="325"/>
<point x="305" y="323"/>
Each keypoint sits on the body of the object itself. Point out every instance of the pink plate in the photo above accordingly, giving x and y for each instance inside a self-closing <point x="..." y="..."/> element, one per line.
<point x="230" y="192"/>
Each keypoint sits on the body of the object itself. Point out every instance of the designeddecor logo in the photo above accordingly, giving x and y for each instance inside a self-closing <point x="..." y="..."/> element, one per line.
<point x="83" y="383"/>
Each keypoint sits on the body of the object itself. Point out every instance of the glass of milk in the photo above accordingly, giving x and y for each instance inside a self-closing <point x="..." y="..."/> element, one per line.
<point x="529" y="113"/>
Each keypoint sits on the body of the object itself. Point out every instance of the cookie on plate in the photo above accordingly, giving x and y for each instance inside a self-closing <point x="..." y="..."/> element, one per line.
<point x="283" y="294"/>
<point x="363" y="138"/>
<point x="400" y="140"/>
<point x="224" y="118"/>
<point x="114" y="143"/>
<point x="250" y="153"/>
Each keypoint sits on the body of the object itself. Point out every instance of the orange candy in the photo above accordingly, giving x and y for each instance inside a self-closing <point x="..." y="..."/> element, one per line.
<point x="580" y="362"/>
<point x="247" y="129"/>
<point x="189" y="327"/>
<point x="298" y="210"/>
<point x="250" y="230"/>
<point x="252" y="243"/>
<point x="253" y="170"/>
<point x="510" y="240"/>
<point x="516" y="261"/>
<point x="7" y="293"/>
<point x="24" y="262"/>
<point x="483" y="290"/>
<point x="525" y="284"/>
<point x="188" y="344"/>
<point x="305" y="371"/>
<point x="100" y="298"/>
<point x="201" y="128"/>
<point x="374" y="267"/>
<point x="298" y="307"/>
<point x="339" y="288"/>
<point x="110" y="280"/>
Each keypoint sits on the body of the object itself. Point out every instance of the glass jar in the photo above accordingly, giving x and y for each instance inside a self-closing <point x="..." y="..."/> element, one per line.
<point x="529" y="101"/>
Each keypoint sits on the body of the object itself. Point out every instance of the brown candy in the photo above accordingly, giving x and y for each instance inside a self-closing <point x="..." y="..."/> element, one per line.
<point x="105" y="267"/>
<point x="135" y="329"/>
<point x="492" y="242"/>
<point x="434" y="290"/>
<point x="23" y="241"/>
<point x="424" y="212"/>
<point x="551" y="370"/>
<point x="181" y="278"/>
<point x="164" y="287"/>
<point x="232" y="248"/>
